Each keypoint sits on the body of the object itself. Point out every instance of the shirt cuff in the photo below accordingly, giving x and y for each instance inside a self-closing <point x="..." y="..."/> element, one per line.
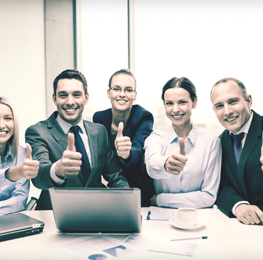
<point x="53" y="175"/>
<point x="2" y="176"/>
<point x="157" y="170"/>
<point x="237" y="204"/>
<point x="160" y="200"/>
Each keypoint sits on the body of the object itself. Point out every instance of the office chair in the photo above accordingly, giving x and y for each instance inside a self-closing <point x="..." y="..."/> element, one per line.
<point x="31" y="205"/>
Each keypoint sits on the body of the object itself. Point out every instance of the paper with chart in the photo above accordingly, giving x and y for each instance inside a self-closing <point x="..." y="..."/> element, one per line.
<point x="94" y="245"/>
<point x="164" y="244"/>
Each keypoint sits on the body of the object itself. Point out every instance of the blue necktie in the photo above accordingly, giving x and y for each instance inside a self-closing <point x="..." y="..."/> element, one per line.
<point x="238" y="145"/>
<point x="85" y="167"/>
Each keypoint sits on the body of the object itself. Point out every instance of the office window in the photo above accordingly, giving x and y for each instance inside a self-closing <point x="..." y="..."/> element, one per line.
<point x="203" y="41"/>
<point x="104" y="46"/>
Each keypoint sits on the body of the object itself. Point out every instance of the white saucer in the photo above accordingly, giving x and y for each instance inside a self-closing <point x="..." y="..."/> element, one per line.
<point x="173" y="221"/>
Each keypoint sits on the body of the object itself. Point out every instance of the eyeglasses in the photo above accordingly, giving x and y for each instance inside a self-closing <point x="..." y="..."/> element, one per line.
<point x="125" y="90"/>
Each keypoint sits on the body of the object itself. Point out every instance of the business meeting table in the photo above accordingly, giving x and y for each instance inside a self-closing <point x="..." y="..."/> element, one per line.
<point x="226" y="239"/>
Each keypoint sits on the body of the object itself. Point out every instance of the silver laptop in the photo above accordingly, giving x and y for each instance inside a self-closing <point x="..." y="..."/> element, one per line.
<point x="19" y="225"/>
<point x="96" y="209"/>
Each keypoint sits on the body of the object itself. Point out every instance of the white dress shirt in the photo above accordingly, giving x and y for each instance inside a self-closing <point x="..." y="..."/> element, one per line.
<point x="66" y="128"/>
<point x="197" y="185"/>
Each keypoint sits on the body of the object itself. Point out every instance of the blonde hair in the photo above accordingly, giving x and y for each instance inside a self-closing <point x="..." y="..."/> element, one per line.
<point x="14" y="140"/>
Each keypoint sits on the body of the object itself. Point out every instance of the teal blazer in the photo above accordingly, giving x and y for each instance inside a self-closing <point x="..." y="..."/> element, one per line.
<point x="138" y="127"/>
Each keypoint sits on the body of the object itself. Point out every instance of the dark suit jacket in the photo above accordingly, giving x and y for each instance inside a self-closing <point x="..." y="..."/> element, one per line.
<point x="48" y="142"/>
<point x="138" y="127"/>
<point x="245" y="181"/>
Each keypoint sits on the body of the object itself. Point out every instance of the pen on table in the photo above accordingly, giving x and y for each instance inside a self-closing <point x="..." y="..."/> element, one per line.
<point x="188" y="238"/>
<point x="148" y="215"/>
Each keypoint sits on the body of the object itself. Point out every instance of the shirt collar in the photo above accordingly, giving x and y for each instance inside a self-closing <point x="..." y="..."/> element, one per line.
<point x="66" y="126"/>
<point x="173" y="137"/>
<point x="245" y="127"/>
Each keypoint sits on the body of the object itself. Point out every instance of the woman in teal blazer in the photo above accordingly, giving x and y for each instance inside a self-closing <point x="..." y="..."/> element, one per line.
<point x="128" y="126"/>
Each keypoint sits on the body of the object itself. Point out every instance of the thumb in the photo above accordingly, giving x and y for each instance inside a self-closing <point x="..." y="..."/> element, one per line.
<point x="182" y="145"/>
<point x="71" y="142"/>
<point x="120" y="129"/>
<point x="28" y="151"/>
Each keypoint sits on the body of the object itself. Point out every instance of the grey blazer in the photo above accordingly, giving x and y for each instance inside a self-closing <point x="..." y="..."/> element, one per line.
<point x="48" y="142"/>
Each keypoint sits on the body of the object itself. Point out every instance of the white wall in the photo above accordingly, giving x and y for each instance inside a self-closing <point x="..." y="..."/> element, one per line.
<point x="105" y="48"/>
<point x="22" y="60"/>
<point x="22" y="67"/>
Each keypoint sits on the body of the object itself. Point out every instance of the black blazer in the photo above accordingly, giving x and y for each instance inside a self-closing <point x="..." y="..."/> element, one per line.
<point x="245" y="181"/>
<point x="48" y="142"/>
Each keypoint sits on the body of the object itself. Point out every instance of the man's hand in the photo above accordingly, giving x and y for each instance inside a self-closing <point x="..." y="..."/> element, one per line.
<point x="29" y="168"/>
<point x="176" y="162"/>
<point x="154" y="200"/>
<point x="249" y="214"/>
<point x="70" y="163"/>
<point x="122" y="143"/>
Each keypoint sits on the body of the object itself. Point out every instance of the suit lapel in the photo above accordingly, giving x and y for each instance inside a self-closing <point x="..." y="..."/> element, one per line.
<point x="253" y="137"/>
<point x="57" y="132"/>
<point x="92" y="137"/>
<point x="60" y="137"/>
<point x="229" y="156"/>
<point x="229" y="152"/>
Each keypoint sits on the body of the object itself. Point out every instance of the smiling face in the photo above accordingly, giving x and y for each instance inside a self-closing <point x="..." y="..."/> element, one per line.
<point x="178" y="106"/>
<point x="122" y="93"/>
<point x="230" y="106"/>
<point x="70" y="100"/>
<point x="6" y="124"/>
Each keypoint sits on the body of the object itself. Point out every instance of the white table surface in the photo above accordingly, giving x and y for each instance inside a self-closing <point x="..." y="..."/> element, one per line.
<point x="227" y="239"/>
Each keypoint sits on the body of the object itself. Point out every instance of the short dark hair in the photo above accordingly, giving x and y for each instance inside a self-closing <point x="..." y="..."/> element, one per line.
<point x="182" y="82"/>
<point x="122" y="71"/>
<point x="239" y="83"/>
<point x="71" y="74"/>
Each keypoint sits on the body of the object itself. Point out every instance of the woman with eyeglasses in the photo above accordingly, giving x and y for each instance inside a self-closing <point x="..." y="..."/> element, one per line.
<point x="184" y="162"/>
<point x="128" y="126"/>
<point x="16" y="165"/>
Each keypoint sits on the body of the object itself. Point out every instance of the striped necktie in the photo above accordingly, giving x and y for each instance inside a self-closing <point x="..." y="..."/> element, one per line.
<point x="238" y="146"/>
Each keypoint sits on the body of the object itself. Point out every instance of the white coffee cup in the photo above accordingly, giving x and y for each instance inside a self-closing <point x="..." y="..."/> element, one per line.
<point x="187" y="216"/>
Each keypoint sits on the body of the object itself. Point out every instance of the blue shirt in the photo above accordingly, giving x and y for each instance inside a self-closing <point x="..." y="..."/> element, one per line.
<point x="13" y="195"/>
<point x="197" y="185"/>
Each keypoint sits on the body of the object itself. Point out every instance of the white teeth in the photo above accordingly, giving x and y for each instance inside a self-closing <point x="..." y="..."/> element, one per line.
<point x="122" y="101"/>
<point x="231" y="119"/>
<point x="70" y="110"/>
<point x="177" y="117"/>
<point x="3" y="133"/>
